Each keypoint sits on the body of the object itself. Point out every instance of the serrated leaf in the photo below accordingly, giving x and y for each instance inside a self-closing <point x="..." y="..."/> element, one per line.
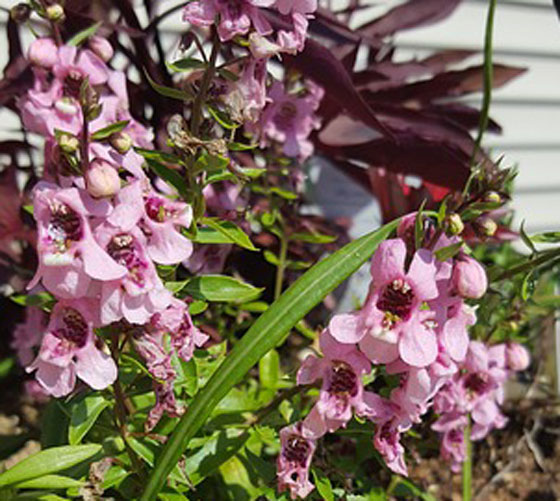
<point x="105" y="132"/>
<point x="231" y="231"/>
<point x="171" y="92"/>
<point x="84" y="416"/>
<point x="47" y="462"/>
<point x="273" y="325"/>
<point x="323" y="485"/>
<point x="83" y="35"/>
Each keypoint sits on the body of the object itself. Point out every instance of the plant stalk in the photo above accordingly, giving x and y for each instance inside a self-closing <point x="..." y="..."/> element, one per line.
<point x="467" y="464"/>
<point x="281" y="268"/>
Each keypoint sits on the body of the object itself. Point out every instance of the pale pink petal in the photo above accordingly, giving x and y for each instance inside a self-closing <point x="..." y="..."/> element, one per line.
<point x="347" y="328"/>
<point x="95" y="368"/>
<point x="418" y="345"/>
<point x="422" y="274"/>
<point x="378" y="351"/>
<point x="388" y="261"/>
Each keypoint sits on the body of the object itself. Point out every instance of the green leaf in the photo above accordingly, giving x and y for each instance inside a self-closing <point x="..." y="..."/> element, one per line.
<point x="220" y="288"/>
<point x="170" y="176"/>
<point x="285" y="194"/>
<point x="186" y="64"/>
<point x="163" y="90"/>
<point x="40" y="299"/>
<point x="84" y="416"/>
<point x="105" y="132"/>
<point x="48" y="461"/>
<point x="230" y="231"/>
<point x="323" y="485"/>
<point x="222" y="118"/>
<point x="528" y="286"/>
<point x="6" y="366"/>
<point x="419" y="226"/>
<point x="448" y="252"/>
<point x="313" y="238"/>
<point x="273" y="325"/>
<point x="198" y="307"/>
<point x="233" y="146"/>
<point x="526" y="239"/>
<point x="83" y="35"/>
<point x="269" y="369"/>
<point x="549" y="237"/>
<point x="50" y="482"/>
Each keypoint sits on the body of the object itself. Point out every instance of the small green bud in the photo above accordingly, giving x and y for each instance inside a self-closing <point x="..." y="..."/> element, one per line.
<point x="55" y="13"/>
<point x="121" y="141"/>
<point x="455" y="224"/>
<point x="492" y="197"/>
<point x="68" y="143"/>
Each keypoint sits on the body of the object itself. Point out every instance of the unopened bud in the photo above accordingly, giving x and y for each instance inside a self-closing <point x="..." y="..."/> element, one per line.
<point x="492" y="197"/>
<point x="55" y="13"/>
<point x="101" y="47"/>
<point x="66" y="106"/>
<point x="102" y="179"/>
<point x="68" y="143"/>
<point x="455" y="224"/>
<point x="43" y="52"/>
<point x="517" y="357"/>
<point x="486" y="226"/>
<point x="469" y="278"/>
<point x="121" y="141"/>
<point x="20" y="13"/>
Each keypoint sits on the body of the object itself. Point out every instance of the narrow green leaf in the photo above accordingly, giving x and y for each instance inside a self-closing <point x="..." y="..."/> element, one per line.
<point x="198" y="307"/>
<point x="233" y="146"/>
<point x="186" y="64"/>
<point x="448" y="252"/>
<point x="308" y="291"/>
<point x="220" y="288"/>
<point x="163" y="90"/>
<point x="50" y="482"/>
<point x="48" y="461"/>
<point x="269" y="369"/>
<point x="6" y="366"/>
<point x="323" y="485"/>
<point x="222" y="118"/>
<point x="549" y="237"/>
<point x="231" y="231"/>
<point x="84" y="416"/>
<point x="105" y="132"/>
<point x="170" y="176"/>
<point x="419" y="226"/>
<point x="313" y="238"/>
<point x="40" y="299"/>
<point x="83" y="35"/>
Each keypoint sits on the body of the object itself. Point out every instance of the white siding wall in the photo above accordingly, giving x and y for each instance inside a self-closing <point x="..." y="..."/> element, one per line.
<point x="527" y="33"/>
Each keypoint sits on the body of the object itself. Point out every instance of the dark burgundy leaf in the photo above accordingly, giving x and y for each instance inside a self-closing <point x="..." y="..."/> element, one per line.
<point x="464" y="115"/>
<point x="412" y="14"/>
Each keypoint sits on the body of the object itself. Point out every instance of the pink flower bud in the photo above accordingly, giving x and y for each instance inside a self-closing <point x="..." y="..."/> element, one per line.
<point x="102" y="179"/>
<point x="43" y="52"/>
<point x="469" y="278"/>
<point x="517" y="357"/>
<point x="101" y="47"/>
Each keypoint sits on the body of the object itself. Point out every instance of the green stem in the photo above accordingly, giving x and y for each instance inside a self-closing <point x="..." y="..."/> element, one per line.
<point x="488" y="79"/>
<point x="467" y="464"/>
<point x="200" y="99"/>
<point x="280" y="269"/>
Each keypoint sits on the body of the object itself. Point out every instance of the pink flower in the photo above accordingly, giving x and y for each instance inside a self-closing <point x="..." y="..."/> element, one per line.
<point x="69" y="256"/>
<point x="247" y="96"/>
<point x="517" y="357"/>
<point x="69" y="350"/>
<point x="165" y="403"/>
<point x="159" y="219"/>
<point x="290" y="119"/>
<point x="298" y="446"/>
<point x="469" y="278"/>
<point x="392" y="324"/>
<point x="387" y="443"/>
<point x="453" y="446"/>
<point x="140" y="293"/>
<point x="101" y="47"/>
<point x="342" y="391"/>
<point x="177" y="323"/>
<point x="301" y="6"/>
<point x="43" y="52"/>
<point x="28" y="334"/>
<point x="235" y="16"/>
<point x="102" y="179"/>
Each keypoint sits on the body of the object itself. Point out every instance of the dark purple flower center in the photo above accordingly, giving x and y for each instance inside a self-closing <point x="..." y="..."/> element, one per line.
<point x="396" y="299"/>
<point x="455" y="436"/>
<point x="122" y="248"/>
<point x="343" y="379"/>
<point x="234" y="8"/>
<point x="73" y="83"/>
<point x="285" y="115"/>
<point x="64" y="225"/>
<point x="477" y="383"/>
<point x="75" y="328"/>
<point x="297" y="450"/>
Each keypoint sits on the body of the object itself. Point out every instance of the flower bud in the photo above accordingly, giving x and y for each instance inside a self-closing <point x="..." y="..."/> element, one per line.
<point x="455" y="224"/>
<point x="101" y="47"/>
<point x="55" y="13"/>
<point x="68" y="143"/>
<point x="469" y="278"/>
<point x="517" y="357"/>
<point x="102" y="179"/>
<point x="121" y="141"/>
<point x="492" y="197"/>
<point x="43" y="52"/>
<point x="66" y="106"/>
<point x="486" y="226"/>
<point x="20" y="13"/>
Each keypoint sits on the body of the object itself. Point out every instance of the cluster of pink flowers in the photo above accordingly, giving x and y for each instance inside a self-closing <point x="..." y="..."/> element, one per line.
<point x="270" y="112"/>
<point x="414" y="323"/>
<point x="102" y="229"/>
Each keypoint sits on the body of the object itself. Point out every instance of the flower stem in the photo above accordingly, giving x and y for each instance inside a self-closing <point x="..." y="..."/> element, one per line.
<point x="280" y="269"/>
<point x="467" y="464"/>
